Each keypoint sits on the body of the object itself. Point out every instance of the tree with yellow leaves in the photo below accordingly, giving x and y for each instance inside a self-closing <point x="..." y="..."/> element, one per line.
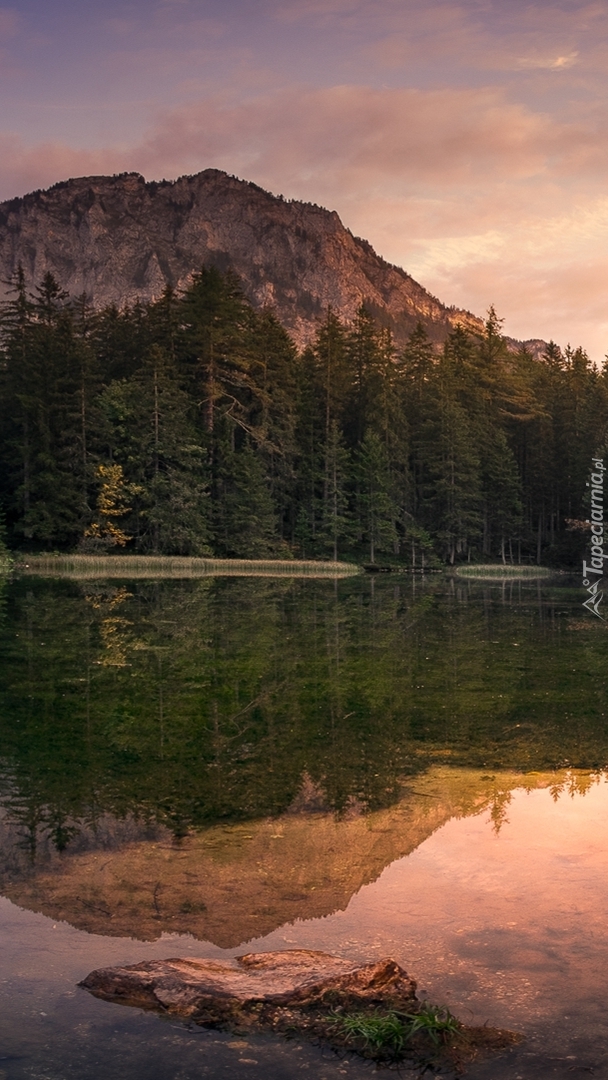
<point x="104" y="532"/>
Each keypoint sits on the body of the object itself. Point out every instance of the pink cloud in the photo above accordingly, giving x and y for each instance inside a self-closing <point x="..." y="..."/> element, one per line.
<point x="565" y="302"/>
<point x="440" y="136"/>
<point x="517" y="40"/>
<point x="24" y="169"/>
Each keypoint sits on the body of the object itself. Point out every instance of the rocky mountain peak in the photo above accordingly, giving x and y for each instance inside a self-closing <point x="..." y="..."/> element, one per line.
<point x="119" y="238"/>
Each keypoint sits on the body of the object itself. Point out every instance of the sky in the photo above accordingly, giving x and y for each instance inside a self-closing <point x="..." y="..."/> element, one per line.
<point x="467" y="141"/>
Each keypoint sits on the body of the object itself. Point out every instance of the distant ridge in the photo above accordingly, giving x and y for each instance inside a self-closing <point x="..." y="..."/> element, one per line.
<point x="119" y="238"/>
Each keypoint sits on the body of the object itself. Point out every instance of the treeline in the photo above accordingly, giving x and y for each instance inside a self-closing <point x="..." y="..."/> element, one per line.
<point x="191" y="425"/>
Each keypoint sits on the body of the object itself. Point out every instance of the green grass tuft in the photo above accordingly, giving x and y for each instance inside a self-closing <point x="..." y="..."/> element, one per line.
<point x="391" y="1031"/>
<point x="378" y="1032"/>
<point x="435" y="1021"/>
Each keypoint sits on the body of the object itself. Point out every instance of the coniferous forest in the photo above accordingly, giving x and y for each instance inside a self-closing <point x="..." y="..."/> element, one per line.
<point x="192" y="426"/>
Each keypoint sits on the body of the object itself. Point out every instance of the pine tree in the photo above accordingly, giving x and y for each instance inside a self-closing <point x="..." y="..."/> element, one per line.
<point x="417" y="362"/>
<point x="17" y="403"/>
<point x="244" y="523"/>
<point x="336" y="523"/>
<point x="310" y="467"/>
<point x="492" y="347"/>
<point x="376" y="508"/>
<point x="214" y="345"/>
<point x="145" y="425"/>
<point x="42" y="421"/>
<point x="270" y="409"/>
<point x="390" y="421"/>
<point x="501" y="493"/>
<point x="364" y="357"/>
<point x="451" y="471"/>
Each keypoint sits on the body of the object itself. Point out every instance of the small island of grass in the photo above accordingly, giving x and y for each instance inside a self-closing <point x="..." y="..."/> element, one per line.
<point x="129" y="567"/>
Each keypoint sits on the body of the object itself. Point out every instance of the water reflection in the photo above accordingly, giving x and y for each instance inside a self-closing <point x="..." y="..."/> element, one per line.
<point x="363" y="766"/>
<point x="229" y="883"/>
<point x="506" y="926"/>
<point x="181" y="704"/>
<point x="501" y="917"/>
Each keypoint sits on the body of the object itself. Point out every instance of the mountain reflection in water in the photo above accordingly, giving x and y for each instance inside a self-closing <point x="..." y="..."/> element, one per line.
<point x="339" y="765"/>
<point x="229" y="883"/>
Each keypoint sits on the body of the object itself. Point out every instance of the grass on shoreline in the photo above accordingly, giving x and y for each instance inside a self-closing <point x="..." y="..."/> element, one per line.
<point x="426" y="1038"/>
<point x="160" y="566"/>
<point x="128" y="567"/>
<point x="500" y="570"/>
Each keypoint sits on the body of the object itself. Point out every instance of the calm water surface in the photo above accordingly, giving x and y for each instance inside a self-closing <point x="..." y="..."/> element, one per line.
<point x="368" y="767"/>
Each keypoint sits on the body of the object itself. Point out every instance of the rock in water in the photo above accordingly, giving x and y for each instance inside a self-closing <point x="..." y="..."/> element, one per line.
<point x="215" y="991"/>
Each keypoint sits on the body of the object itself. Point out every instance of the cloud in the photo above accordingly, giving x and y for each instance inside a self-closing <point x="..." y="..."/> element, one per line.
<point x="563" y="301"/>
<point x="24" y="168"/>
<point x="362" y="136"/>
<point x="457" y="41"/>
<point x="549" y="276"/>
<point x="554" y="63"/>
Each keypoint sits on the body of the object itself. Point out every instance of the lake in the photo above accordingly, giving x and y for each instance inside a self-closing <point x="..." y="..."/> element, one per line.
<point x="378" y="765"/>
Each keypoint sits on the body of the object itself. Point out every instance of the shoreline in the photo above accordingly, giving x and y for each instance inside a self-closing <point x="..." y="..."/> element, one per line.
<point x="177" y="566"/>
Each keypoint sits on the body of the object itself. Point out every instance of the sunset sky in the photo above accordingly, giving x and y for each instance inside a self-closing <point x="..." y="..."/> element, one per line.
<point x="467" y="141"/>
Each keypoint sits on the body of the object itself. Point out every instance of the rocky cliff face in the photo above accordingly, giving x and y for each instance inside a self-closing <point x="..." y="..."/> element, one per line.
<point x="119" y="238"/>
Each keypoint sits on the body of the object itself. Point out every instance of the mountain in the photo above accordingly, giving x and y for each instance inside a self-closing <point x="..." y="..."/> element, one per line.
<point x="119" y="238"/>
<point x="233" y="882"/>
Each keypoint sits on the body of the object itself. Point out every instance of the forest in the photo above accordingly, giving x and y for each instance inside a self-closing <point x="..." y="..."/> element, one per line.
<point x="192" y="425"/>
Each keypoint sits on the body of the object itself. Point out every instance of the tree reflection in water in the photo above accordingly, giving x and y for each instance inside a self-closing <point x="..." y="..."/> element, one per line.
<point x="183" y="704"/>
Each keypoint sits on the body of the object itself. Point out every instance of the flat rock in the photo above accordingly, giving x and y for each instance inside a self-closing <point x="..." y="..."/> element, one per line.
<point x="216" y="990"/>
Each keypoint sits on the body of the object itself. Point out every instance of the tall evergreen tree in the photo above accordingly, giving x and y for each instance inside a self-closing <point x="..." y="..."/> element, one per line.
<point x="42" y="397"/>
<point x="244" y="523"/>
<point x="336" y="524"/>
<point x="146" y="423"/>
<point x="364" y="357"/>
<point x="214" y="346"/>
<point x="377" y="512"/>
<point x="452" y="467"/>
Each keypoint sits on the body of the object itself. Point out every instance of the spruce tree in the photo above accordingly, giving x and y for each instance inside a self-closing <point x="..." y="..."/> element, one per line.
<point x="376" y="510"/>
<point x="146" y="425"/>
<point x="336" y="523"/>
<point x="244" y="523"/>
<point x="42" y="423"/>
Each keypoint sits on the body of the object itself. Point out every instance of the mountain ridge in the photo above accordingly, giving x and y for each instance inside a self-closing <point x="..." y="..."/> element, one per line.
<point x="122" y="238"/>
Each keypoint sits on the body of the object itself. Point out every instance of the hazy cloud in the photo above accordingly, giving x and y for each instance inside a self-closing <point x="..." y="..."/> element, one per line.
<point x="554" y="63"/>
<point x="362" y="136"/>
<point x="24" y="168"/>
